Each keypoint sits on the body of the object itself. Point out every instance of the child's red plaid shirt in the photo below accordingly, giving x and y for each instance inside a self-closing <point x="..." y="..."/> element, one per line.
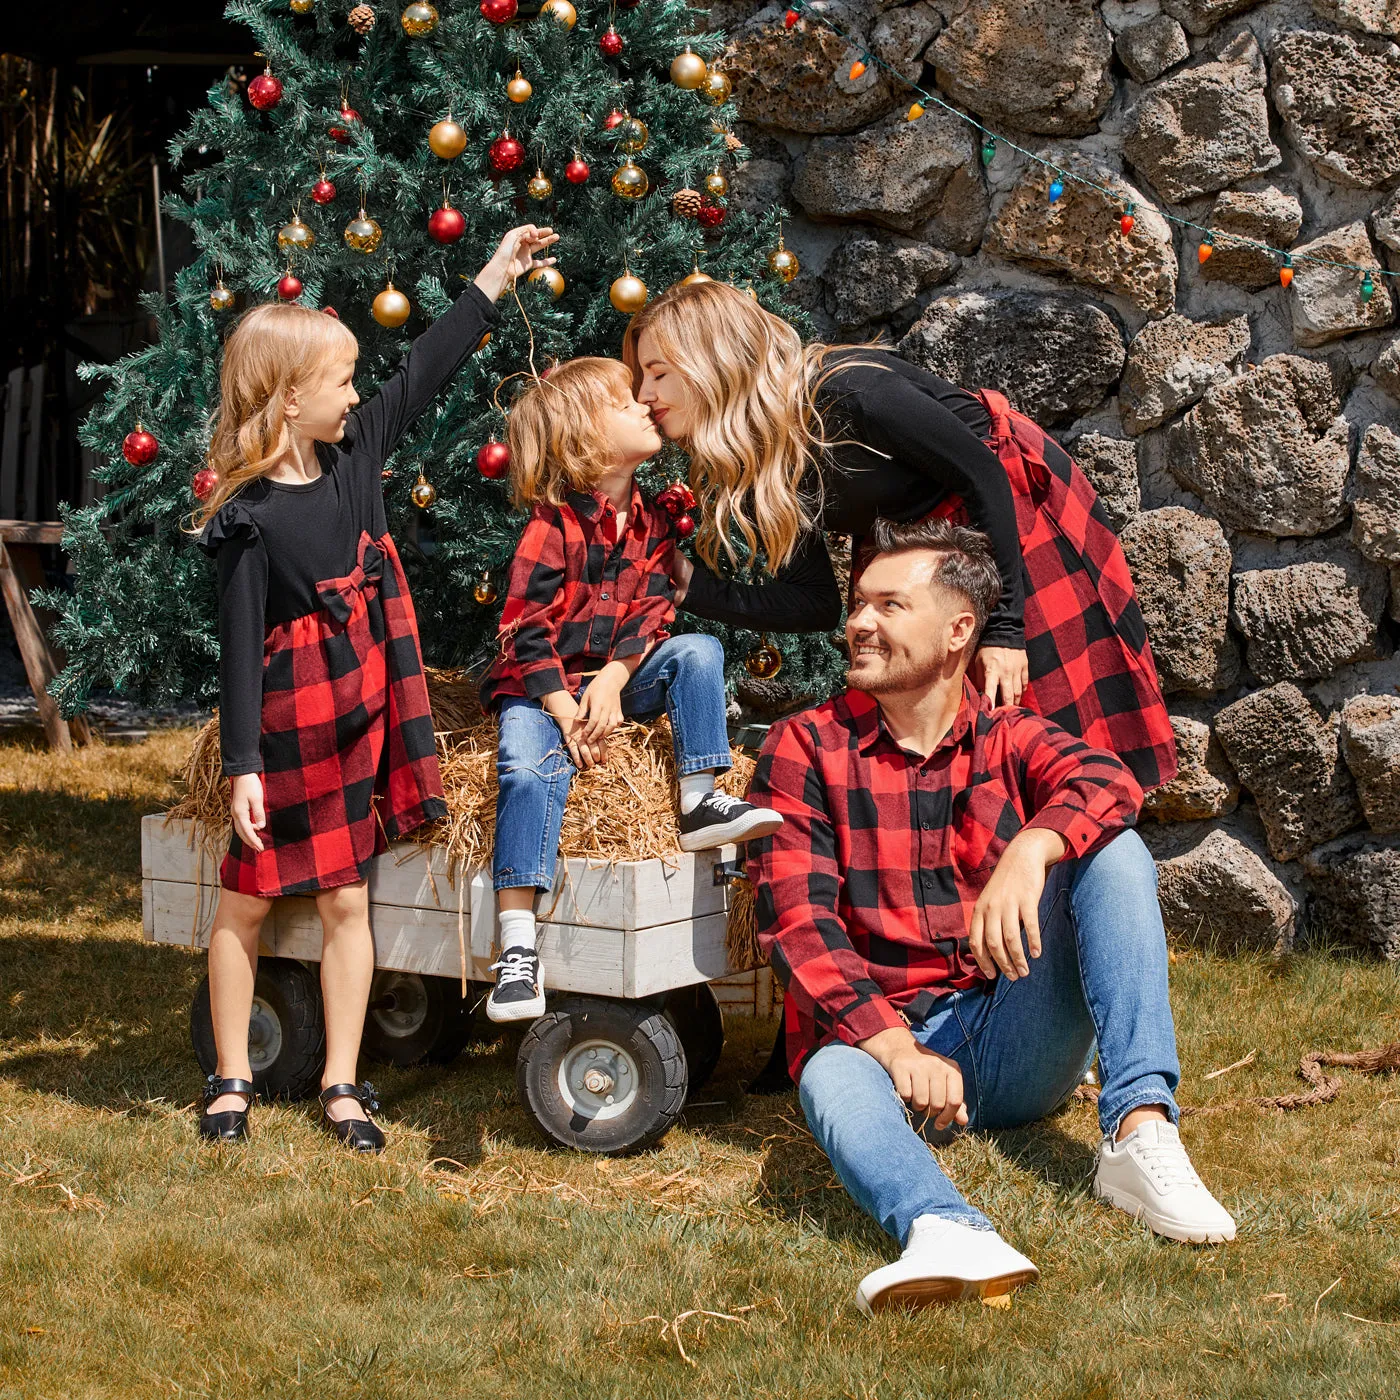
<point x="580" y="596"/>
<point x="865" y="893"/>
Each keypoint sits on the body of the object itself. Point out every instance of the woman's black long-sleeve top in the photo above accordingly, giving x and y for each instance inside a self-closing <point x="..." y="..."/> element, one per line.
<point x="913" y="439"/>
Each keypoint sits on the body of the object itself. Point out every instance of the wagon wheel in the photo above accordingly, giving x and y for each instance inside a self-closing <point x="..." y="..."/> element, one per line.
<point x="413" y="1018"/>
<point x="602" y="1076"/>
<point x="696" y="1015"/>
<point x="286" y="1032"/>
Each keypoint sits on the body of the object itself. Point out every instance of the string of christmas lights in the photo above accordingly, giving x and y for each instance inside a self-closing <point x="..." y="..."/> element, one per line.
<point x="1287" y="260"/>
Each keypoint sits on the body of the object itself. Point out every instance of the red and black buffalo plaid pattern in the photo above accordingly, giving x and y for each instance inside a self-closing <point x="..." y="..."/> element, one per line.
<point x="580" y="596"/>
<point x="349" y="761"/>
<point x="1090" y="663"/>
<point x="864" y="894"/>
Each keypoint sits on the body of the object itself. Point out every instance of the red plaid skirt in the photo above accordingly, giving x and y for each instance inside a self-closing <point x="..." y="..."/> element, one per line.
<point x="349" y="760"/>
<point x="1091" y="667"/>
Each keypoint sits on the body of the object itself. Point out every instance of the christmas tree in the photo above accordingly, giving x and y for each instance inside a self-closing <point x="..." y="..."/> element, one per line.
<point x="370" y="171"/>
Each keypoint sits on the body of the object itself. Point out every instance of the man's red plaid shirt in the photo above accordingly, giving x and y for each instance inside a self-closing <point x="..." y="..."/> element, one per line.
<point x="865" y="893"/>
<point x="580" y="595"/>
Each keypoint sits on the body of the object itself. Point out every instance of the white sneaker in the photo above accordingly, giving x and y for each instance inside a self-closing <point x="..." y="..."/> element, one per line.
<point x="1149" y="1175"/>
<point x="943" y="1262"/>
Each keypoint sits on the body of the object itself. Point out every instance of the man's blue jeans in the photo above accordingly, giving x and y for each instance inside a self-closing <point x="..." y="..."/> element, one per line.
<point x="683" y="676"/>
<point x="1022" y="1046"/>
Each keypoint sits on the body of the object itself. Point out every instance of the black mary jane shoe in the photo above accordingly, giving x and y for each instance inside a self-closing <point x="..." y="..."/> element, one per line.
<point x="362" y="1134"/>
<point x="232" y="1124"/>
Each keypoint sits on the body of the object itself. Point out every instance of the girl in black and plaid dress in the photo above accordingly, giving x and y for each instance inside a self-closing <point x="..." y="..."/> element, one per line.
<point x="325" y="728"/>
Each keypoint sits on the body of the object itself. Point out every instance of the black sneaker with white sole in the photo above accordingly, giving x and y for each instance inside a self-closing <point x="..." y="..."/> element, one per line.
<point x="519" y="991"/>
<point x="717" y="819"/>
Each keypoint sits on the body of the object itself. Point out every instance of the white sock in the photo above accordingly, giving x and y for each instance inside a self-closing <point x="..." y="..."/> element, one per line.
<point x="694" y="787"/>
<point x="517" y="928"/>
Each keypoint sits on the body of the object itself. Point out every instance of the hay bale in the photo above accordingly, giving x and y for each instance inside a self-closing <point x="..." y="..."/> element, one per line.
<point x="624" y="810"/>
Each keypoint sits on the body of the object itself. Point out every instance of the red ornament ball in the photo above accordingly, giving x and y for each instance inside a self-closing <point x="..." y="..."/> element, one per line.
<point x="289" y="288"/>
<point x="506" y="154"/>
<point x="323" y="191"/>
<point x="499" y="11"/>
<point x="612" y="119"/>
<point x="340" y="133"/>
<point x="447" y="225"/>
<point x="685" y="526"/>
<point x="265" y="92"/>
<point x="493" y="460"/>
<point x="711" y="215"/>
<point x="140" y="447"/>
<point x="331" y="312"/>
<point x="611" y="43"/>
<point x="205" y="480"/>
<point x="576" y="172"/>
<point x="628" y="4"/>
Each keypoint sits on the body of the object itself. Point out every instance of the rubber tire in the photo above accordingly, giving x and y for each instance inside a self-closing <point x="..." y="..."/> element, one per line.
<point x="443" y="1034"/>
<point x="695" y="1013"/>
<point x="638" y="1028"/>
<point x="291" y="992"/>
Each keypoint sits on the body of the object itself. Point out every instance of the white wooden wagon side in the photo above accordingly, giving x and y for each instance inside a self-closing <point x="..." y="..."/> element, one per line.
<point x="628" y="950"/>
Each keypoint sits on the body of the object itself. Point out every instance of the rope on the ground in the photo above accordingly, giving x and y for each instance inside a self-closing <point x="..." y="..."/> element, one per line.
<point x="1385" y="1059"/>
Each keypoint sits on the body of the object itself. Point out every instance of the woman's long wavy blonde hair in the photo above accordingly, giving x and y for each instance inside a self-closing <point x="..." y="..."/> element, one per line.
<point x="756" y="431"/>
<point x="274" y="349"/>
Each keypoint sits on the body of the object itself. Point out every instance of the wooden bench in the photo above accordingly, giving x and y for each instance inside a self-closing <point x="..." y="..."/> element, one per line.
<point x="20" y="573"/>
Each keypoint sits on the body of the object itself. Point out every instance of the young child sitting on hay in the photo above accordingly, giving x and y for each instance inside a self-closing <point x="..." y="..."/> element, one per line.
<point x="584" y="641"/>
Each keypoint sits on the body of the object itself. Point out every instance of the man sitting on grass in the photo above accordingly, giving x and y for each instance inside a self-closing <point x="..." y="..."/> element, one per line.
<point x="922" y="833"/>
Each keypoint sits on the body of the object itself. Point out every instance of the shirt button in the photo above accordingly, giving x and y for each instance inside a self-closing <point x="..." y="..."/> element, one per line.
<point x="603" y="596"/>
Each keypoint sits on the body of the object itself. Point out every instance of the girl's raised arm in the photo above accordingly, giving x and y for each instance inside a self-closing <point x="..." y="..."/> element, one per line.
<point x="436" y="355"/>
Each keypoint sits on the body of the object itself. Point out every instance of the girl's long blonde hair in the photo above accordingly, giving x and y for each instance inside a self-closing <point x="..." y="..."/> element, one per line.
<point x="756" y="431"/>
<point x="274" y="349"/>
<point x="556" y="442"/>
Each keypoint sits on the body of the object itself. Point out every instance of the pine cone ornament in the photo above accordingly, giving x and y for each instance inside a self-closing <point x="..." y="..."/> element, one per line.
<point x="687" y="203"/>
<point x="361" y="19"/>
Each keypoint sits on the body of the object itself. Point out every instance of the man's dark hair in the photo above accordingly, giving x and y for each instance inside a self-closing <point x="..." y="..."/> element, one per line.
<point x="967" y="565"/>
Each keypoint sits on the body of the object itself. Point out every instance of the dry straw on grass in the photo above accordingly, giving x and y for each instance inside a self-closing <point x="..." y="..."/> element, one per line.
<point x="622" y="811"/>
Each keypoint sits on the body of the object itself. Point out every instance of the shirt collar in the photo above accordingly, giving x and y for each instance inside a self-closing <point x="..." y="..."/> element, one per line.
<point x="870" y="723"/>
<point x="588" y="505"/>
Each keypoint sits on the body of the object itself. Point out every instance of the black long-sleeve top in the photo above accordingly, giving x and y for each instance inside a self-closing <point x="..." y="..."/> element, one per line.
<point x="275" y="541"/>
<point x="915" y="439"/>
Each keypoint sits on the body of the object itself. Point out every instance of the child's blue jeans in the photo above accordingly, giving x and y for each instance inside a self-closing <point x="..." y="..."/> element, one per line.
<point x="683" y="675"/>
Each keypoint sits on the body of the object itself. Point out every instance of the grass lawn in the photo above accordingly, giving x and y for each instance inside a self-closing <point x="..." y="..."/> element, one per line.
<point x="471" y="1261"/>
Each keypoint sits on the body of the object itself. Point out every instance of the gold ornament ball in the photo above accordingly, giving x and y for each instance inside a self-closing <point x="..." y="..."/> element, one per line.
<point x="295" y="237"/>
<point x="540" y="186"/>
<point x="485" y="591"/>
<point x="628" y="294"/>
<point x="633" y="134"/>
<point x="764" y="661"/>
<point x="424" y="493"/>
<point x="716" y="88"/>
<point x="750" y="292"/>
<point x="447" y="139"/>
<point x="696" y="276"/>
<point x="519" y="89"/>
<point x="783" y="264"/>
<point x="688" y="70"/>
<point x="561" y="10"/>
<point x="716" y="185"/>
<point x="362" y="233"/>
<point x="551" y="277"/>
<point x="483" y="342"/>
<point x="391" y="308"/>
<point x="221" y="299"/>
<point x="302" y="7"/>
<point x="419" y="19"/>
<point x="630" y="181"/>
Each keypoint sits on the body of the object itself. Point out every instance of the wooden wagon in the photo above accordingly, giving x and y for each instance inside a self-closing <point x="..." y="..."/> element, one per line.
<point x="630" y="948"/>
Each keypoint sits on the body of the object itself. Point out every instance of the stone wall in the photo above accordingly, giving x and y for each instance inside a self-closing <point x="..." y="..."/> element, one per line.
<point x="1245" y="438"/>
